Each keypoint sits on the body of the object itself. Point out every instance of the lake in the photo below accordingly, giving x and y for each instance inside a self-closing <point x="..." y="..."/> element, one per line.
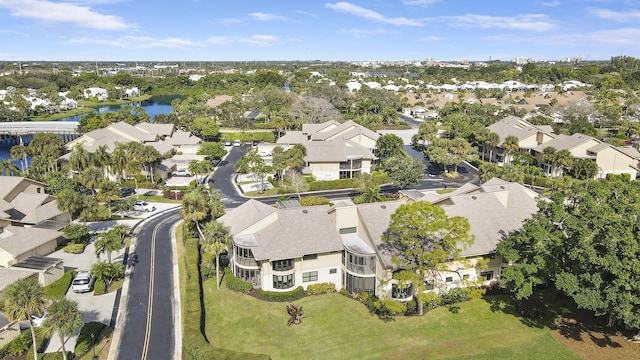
<point x="153" y="107"/>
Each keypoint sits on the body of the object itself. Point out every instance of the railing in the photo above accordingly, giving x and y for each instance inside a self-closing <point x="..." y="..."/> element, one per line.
<point x="361" y="269"/>
<point x="245" y="261"/>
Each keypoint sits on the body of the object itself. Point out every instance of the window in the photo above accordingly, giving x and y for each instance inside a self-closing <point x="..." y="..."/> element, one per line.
<point x="488" y="275"/>
<point x="333" y="271"/>
<point x="245" y="253"/>
<point x="282" y="265"/>
<point x="310" y="276"/>
<point x="282" y="282"/>
<point x="449" y="279"/>
<point x="355" y="284"/>
<point x="310" y="257"/>
<point x="349" y="230"/>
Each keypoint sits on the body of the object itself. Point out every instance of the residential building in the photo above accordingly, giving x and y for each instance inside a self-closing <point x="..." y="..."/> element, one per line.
<point x="335" y="150"/>
<point x="533" y="139"/>
<point x="280" y="249"/>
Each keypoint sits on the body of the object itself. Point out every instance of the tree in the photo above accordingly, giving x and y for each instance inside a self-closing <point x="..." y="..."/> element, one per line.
<point x="19" y="152"/>
<point x="212" y="151"/>
<point x="107" y="272"/>
<point x="403" y="170"/>
<point x="422" y="238"/>
<point x="584" y="169"/>
<point x="492" y="140"/>
<point x="216" y="241"/>
<point x="107" y="243"/>
<point x="389" y="145"/>
<point x="108" y="193"/>
<point x="123" y="205"/>
<point x="7" y="167"/>
<point x="22" y="299"/>
<point x="510" y="144"/>
<point x="583" y="241"/>
<point x="194" y="210"/>
<point x="65" y="318"/>
<point x="70" y="201"/>
<point x="77" y="233"/>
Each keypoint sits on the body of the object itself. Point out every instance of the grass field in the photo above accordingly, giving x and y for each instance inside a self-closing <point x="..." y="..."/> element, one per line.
<point x="336" y="327"/>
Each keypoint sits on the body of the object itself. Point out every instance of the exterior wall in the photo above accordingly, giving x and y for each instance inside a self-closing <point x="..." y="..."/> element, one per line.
<point x="6" y="259"/>
<point x="325" y="171"/>
<point x="611" y="161"/>
<point x="51" y="275"/>
<point x="529" y="142"/>
<point x="323" y="264"/>
<point x="188" y="149"/>
<point x="25" y="186"/>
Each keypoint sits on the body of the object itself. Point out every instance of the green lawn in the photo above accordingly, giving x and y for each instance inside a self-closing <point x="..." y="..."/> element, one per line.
<point x="336" y="327"/>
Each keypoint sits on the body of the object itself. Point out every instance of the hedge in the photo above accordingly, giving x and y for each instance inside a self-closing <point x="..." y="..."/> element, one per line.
<point x="331" y="184"/>
<point x="74" y="248"/>
<point x="314" y="200"/>
<point x="83" y="344"/>
<point x="288" y="296"/>
<point x="58" y="288"/>
<point x="321" y="288"/>
<point x="246" y="136"/>
<point x="233" y="283"/>
<point x="194" y="343"/>
<point x="99" y="287"/>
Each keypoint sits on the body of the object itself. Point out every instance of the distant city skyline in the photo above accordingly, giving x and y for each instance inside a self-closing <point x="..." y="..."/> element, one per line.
<point x="383" y="30"/>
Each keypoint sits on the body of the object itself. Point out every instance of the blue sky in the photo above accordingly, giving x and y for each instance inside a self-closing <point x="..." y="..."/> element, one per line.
<point x="223" y="30"/>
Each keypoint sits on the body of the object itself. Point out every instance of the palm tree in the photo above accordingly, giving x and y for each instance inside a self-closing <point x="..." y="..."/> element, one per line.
<point x="69" y="200"/>
<point x="217" y="241"/>
<point x="119" y="159"/>
<point x="492" y="140"/>
<point x="107" y="272"/>
<point x="133" y="169"/>
<point x="101" y="159"/>
<point x="549" y="157"/>
<point x="65" y="318"/>
<point x="7" y="167"/>
<point x="19" y="152"/>
<point x="108" y="193"/>
<point x="90" y="177"/>
<point x="107" y="243"/>
<point x="194" y="210"/>
<point x="22" y="299"/>
<point x="510" y="144"/>
<point x="563" y="159"/>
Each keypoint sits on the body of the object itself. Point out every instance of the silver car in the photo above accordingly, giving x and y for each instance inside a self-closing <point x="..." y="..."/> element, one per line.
<point x="83" y="282"/>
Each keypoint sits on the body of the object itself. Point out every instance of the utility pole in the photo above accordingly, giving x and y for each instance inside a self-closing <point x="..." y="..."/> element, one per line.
<point x="97" y="68"/>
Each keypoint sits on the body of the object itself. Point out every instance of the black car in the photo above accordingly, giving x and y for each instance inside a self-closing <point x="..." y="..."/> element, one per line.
<point x="126" y="191"/>
<point x="90" y="192"/>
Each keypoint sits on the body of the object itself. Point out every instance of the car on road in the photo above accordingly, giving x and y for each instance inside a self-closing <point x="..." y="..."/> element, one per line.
<point x="237" y="143"/>
<point x="82" y="282"/>
<point x="127" y="191"/>
<point x="181" y="172"/>
<point x="143" y="206"/>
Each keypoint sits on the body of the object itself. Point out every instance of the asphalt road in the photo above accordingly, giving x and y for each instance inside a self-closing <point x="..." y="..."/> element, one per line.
<point x="148" y="331"/>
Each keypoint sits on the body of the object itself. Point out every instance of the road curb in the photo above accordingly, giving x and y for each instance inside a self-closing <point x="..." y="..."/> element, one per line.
<point x="117" y="330"/>
<point x="177" y="323"/>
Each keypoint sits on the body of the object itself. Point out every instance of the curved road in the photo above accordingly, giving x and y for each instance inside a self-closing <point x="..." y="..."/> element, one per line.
<point x="148" y="330"/>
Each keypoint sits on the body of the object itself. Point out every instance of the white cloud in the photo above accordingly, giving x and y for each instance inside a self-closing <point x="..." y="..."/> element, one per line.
<point x="626" y="36"/>
<point x="266" y="17"/>
<point x="430" y="38"/>
<point x="356" y="10"/>
<point x="135" y="42"/>
<point x="420" y="2"/>
<point x="552" y="3"/>
<point x="14" y="32"/>
<point x="306" y="13"/>
<point x="219" y="40"/>
<point x="529" y="22"/>
<point x="57" y="12"/>
<point x="360" y="33"/>
<point x="619" y="16"/>
<point x="259" y="40"/>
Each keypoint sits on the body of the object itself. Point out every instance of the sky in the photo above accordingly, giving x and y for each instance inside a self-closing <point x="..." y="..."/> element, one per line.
<point x="384" y="30"/>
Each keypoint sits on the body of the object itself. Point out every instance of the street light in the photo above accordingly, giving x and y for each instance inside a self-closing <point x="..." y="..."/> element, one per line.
<point x="93" y="345"/>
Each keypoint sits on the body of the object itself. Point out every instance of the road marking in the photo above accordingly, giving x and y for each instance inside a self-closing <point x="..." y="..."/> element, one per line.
<point x="147" y="334"/>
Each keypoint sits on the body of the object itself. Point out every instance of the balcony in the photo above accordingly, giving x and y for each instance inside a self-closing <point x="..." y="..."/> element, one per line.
<point x="245" y="261"/>
<point x="361" y="269"/>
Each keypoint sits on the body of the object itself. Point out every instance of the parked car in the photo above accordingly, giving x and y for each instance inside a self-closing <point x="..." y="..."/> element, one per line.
<point x="35" y="319"/>
<point x="127" y="191"/>
<point x="82" y="282"/>
<point x="143" y="206"/>
<point x="227" y="143"/>
<point x="90" y="192"/>
<point x="264" y="153"/>
<point x="237" y="143"/>
<point x="181" y="172"/>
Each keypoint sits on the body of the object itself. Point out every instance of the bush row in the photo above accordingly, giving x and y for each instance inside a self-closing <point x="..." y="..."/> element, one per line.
<point x="58" y="288"/>
<point x="321" y="288"/>
<point x="99" y="287"/>
<point x="246" y="136"/>
<point x="331" y="184"/>
<point x="287" y="296"/>
<point x="74" y="248"/>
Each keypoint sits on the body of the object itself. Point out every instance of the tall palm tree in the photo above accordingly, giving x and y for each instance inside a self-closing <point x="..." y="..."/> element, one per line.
<point x="133" y="169"/>
<point x="510" y="144"/>
<point x="107" y="243"/>
<point x="108" y="193"/>
<point x="7" y="167"/>
<point x="65" y="318"/>
<point x="101" y="159"/>
<point x="22" y="299"/>
<point x="91" y="177"/>
<point x="19" y="152"/>
<point x="70" y="201"/>
<point x="119" y="159"/>
<point x="194" y="210"/>
<point x="217" y="239"/>
<point x="492" y="140"/>
<point x="563" y="160"/>
<point x="549" y="157"/>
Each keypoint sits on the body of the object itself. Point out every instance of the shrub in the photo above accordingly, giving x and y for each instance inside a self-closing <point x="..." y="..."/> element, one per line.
<point x="287" y="296"/>
<point x="321" y="288"/>
<point x="412" y="306"/>
<point x="17" y="346"/>
<point x="363" y="296"/>
<point x="233" y="283"/>
<point x="431" y="301"/>
<point x="74" y="248"/>
<point x="455" y="295"/>
<point x="331" y="184"/>
<point x="58" y="288"/>
<point x="99" y="287"/>
<point x="83" y="344"/>
<point x="344" y="292"/>
<point x="388" y="307"/>
<point x="314" y="200"/>
<point x="77" y="233"/>
<point x="531" y="308"/>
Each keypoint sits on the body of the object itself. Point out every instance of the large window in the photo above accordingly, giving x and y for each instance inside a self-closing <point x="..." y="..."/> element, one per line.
<point x="282" y="265"/>
<point x="282" y="282"/>
<point x="248" y="275"/>
<point x="349" y="168"/>
<point x="245" y="257"/>
<point x="400" y="292"/>
<point x="360" y="264"/>
<point x="355" y="284"/>
<point x="310" y="276"/>
<point x="488" y="275"/>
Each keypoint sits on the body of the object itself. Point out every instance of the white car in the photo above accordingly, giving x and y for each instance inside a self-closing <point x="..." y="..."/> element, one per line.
<point x="83" y="282"/>
<point x="35" y="319"/>
<point x="143" y="206"/>
<point x="264" y="153"/>
<point x="181" y="172"/>
<point x="237" y="143"/>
